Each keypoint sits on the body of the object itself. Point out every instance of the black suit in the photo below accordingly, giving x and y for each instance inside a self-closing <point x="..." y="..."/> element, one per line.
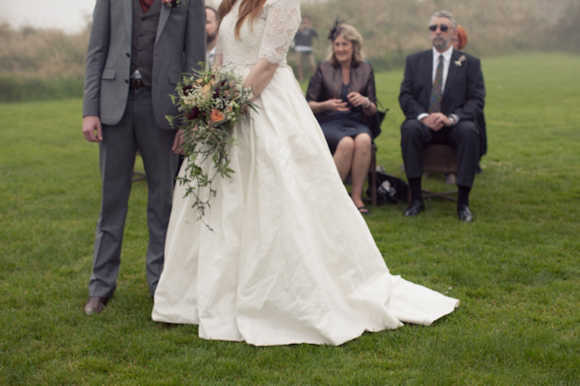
<point x="463" y="95"/>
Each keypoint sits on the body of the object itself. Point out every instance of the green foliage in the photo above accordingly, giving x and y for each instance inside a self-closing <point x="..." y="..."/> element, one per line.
<point x="38" y="64"/>
<point x="42" y="53"/>
<point x="515" y="269"/>
<point x="566" y="32"/>
<point x="17" y="89"/>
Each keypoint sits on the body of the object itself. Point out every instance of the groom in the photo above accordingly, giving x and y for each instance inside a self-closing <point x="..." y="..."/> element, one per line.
<point x="442" y="96"/>
<point x="137" y="51"/>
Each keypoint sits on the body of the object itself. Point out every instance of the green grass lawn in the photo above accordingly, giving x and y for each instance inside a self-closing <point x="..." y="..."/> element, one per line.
<point x="516" y="269"/>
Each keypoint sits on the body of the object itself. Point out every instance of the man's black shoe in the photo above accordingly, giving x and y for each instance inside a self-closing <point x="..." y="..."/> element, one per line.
<point x="464" y="214"/>
<point x="415" y="208"/>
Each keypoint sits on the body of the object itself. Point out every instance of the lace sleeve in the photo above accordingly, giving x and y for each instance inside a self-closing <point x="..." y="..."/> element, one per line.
<point x="282" y="22"/>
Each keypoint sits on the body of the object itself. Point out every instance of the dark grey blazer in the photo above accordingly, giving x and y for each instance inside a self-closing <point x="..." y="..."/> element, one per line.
<point x="179" y="46"/>
<point x="464" y="92"/>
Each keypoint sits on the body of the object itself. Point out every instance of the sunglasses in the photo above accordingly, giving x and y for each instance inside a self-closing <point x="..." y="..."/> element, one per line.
<point x="442" y="27"/>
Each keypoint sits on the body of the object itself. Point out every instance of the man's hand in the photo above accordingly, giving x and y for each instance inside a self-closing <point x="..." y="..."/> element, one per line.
<point x="436" y="121"/>
<point x="92" y="129"/>
<point x="178" y="143"/>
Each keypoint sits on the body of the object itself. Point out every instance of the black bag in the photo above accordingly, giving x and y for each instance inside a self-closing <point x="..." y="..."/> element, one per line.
<point x="375" y="121"/>
<point x="390" y="189"/>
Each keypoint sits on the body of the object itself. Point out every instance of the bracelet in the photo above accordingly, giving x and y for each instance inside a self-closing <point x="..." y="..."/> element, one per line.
<point x="368" y="105"/>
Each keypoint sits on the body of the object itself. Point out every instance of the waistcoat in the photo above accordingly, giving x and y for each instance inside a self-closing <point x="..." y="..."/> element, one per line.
<point x="143" y="39"/>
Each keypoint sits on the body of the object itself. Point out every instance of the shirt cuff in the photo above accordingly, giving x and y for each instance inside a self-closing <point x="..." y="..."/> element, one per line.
<point x="421" y="116"/>
<point x="455" y="117"/>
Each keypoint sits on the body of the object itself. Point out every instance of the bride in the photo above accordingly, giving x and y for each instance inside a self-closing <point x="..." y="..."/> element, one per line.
<point x="290" y="259"/>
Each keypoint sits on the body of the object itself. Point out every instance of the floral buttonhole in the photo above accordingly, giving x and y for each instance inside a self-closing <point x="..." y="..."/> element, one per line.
<point x="171" y="3"/>
<point x="461" y="59"/>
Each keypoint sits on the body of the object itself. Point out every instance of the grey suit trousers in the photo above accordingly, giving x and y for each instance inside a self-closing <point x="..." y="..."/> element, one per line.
<point x="136" y="130"/>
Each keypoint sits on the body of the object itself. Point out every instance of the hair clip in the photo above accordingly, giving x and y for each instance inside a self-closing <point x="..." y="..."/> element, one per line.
<point x="335" y="30"/>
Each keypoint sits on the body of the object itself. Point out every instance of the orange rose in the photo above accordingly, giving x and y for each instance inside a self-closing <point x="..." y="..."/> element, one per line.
<point x="206" y="89"/>
<point x="217" y="116"/>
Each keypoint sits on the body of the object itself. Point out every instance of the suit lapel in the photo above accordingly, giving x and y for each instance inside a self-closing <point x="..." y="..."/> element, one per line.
<point x="428" y="74"/>
<point x="163" y="17"/>
<point x="128" y="9"/>
<point x="452" y="72"/>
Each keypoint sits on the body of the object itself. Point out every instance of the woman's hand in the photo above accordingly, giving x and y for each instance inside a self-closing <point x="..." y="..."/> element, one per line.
<point x="336" y="105"/>
<point x="328" y="105"/>
<point x="356" y="99"/>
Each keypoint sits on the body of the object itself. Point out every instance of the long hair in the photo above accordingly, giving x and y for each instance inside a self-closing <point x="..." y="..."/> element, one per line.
<point x="248" y="9"/>
<point x="349" y="33"/>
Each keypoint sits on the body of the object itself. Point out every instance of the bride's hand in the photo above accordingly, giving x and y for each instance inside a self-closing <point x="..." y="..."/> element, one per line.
<point x="244" y="109"/>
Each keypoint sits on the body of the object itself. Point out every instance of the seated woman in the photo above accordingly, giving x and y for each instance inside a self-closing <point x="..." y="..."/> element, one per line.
<point x="459" y="41"/>
<point x="342" y="95"/>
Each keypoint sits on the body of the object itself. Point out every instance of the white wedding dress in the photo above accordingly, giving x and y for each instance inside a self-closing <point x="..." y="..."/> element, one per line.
<point x="290" y="259"/>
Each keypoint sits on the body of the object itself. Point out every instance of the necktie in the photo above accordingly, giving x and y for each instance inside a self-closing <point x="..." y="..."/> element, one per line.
<point x="436" y="92"/>
<point x="145" y="4"/>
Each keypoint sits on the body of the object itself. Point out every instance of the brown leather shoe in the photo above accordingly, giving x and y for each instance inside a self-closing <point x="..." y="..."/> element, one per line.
<point x="95" y="305"/>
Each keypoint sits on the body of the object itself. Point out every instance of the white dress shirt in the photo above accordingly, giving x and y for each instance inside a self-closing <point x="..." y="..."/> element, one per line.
<point x="209" y="56"/>
<point x="446" y="61"/>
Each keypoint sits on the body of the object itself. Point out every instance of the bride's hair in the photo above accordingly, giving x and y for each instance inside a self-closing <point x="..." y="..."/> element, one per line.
<point x="248" y="8"/>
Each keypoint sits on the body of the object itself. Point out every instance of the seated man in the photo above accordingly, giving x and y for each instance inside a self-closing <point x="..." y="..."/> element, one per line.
<point x="442" y="95"/>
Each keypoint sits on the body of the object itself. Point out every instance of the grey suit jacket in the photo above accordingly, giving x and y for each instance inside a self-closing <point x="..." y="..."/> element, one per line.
<point x="179" y="46"/>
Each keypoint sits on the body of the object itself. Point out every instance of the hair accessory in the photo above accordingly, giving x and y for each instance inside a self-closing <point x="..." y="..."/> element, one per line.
<point x="335" y="30"/>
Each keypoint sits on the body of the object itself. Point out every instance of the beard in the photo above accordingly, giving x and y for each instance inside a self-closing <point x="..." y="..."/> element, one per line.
<point x="211" y="37"/>
<point x="440" y="43"/>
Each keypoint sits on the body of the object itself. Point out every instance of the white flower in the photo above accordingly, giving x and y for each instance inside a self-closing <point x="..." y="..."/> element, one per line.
<point x="461" y="59"/>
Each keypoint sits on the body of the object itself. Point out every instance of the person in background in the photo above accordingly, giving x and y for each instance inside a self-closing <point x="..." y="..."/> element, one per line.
<point x="211" y="32"/>
<point x="442" y="95"/>
<point x="342" y="95"/>
<point x="459" y="41"/>
<point x="303" y="47"/>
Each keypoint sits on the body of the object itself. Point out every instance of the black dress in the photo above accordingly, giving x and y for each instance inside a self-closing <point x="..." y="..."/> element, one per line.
<point x="339" y="124"/>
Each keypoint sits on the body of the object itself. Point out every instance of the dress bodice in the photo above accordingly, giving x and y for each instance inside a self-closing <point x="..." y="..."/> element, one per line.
<point x="268" y="36"/>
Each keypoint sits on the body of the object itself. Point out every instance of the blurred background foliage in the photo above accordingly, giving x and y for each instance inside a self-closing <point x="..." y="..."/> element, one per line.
<point x="392" y="29"/>
<point x="49" y="64"/>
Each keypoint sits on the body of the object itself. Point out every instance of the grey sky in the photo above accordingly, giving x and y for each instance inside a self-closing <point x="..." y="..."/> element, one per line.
<point x="68" y="15"/>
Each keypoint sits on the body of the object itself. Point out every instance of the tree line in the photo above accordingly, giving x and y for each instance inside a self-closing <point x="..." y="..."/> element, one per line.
<point x="41" y="64"/>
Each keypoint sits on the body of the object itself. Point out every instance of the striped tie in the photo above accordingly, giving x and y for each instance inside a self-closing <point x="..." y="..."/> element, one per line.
<point x="436" y="93"/>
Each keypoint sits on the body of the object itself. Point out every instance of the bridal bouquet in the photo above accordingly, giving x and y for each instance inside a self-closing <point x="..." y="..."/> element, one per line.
<point x="210" y="102"/>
